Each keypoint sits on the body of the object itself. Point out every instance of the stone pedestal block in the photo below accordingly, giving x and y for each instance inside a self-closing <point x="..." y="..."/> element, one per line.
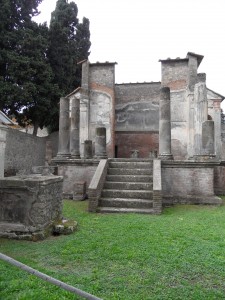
<point x="134" y="154"/>
<point x="29" y="205"/>
<point x="88" y="149"/>
<point x="79" y="190"/>
<point x="153" y="154"/>
<point x="100" y="143"/>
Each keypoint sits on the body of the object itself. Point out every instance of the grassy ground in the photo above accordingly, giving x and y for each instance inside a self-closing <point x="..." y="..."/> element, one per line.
<point x="177" y="255"/>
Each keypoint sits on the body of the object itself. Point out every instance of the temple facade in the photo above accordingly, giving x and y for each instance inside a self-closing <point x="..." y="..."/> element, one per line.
<point x="130" y="112"/>
<point x="175" y="123"/>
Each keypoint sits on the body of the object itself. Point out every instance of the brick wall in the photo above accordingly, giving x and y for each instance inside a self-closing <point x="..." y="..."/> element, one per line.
<point x="103" y="74"/>
<point x="136" y="92"/>
<point x="175" y="74"/>
<point x="144" y="142"/>
<point x="219" y="179"/>
<point x="188" y="182"/>
<point x="137" y="118"/>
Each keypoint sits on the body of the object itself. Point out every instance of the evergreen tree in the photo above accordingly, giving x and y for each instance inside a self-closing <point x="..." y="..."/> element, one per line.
<point x="36" y="78"/>
<point x="35" y="61"/>
<point x="69" y="43"/>
<point x="26" y="79"/>
<point x="15" y="17"/>
<point x="83" y="45"/>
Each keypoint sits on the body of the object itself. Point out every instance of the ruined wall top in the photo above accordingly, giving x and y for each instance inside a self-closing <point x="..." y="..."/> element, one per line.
<point x="137" y="92"/>
<point x="180" y="73"/>
<point x="103" y="74"/>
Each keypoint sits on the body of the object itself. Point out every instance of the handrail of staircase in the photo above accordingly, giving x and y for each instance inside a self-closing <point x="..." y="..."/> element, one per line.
<point x="96" y="185"/>
<point x="157" y="186"/>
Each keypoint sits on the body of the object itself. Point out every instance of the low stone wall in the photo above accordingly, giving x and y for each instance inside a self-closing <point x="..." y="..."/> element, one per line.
<point x="96" y="185"/>
<point x="219" y="179"/>
<point x="157" y="186"/>
<point x="23" y="151"/>
<point x="188" y="182"/>
<point x="75" y="170"/>
<point x="29" y="205"/>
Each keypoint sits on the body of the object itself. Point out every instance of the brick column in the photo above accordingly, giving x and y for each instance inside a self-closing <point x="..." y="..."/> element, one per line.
<point x="164" y="125"/>
<point x="64" y="128"/>
<point x="75" y="128"/>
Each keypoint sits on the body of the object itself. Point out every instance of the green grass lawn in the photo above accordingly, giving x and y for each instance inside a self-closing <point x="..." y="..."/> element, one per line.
<point x="177" y="255"/>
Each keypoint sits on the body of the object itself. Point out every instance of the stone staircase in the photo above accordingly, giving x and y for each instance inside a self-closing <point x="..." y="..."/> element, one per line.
<point x="128" y="187"/>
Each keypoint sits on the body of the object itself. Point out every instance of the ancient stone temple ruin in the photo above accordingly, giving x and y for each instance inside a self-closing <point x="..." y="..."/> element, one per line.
<point x="131" y="147"/>
<point x="140" y="146"/>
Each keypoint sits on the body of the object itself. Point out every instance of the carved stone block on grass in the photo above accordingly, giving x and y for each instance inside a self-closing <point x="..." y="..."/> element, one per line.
<point x="29" y="206"/>
<point x="79" y="190"/>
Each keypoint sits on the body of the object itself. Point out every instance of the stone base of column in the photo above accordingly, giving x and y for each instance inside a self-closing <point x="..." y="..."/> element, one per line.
<point x="165" y="156"/>
<point x="74" y="156"/>
<point x="205" y="158"/>
<point x="101" y="156"/>
<point x="68" y="155"/>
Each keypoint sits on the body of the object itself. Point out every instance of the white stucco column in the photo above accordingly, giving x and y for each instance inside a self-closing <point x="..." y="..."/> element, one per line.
<point x="3" y="134"/>
<point x="75" y="128"/>
<point x="84" y="122"/>
<point x="64" y="128"/>
<point x="165" y="125"/>
<point x="200" y="114"/>
<point x="217" y="125"/>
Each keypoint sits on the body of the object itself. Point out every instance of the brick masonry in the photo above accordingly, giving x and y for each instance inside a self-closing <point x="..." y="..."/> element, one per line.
<point x="175" y="73"/>
<point x="219" y="179"/>
<point x="144" y="142"/>
<point x="137" y="118"/>
<point x="188" y="182"/>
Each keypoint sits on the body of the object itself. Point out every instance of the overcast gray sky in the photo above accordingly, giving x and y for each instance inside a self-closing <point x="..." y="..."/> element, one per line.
<point x="136" y="34"/>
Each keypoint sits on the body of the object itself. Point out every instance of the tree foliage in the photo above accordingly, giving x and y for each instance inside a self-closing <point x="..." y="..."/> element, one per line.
<point x="69" y="43"/>
<point x="38" y="64"/>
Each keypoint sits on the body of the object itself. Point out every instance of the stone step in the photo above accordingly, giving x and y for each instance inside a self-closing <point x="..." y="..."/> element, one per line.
<point x="131" y="165"/>
<point x="126" y="210"/>
<point x="130" y="178"/>
<point x="125" y="203"/>
<point x="119" y="171"/>
<point x="135" y="194"/>
<point x="130" y="160"/>
<point x="127" y="185"/>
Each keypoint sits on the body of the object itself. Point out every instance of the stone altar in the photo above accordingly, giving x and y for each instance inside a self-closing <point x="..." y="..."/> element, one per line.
<point x="29" y="206"/>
